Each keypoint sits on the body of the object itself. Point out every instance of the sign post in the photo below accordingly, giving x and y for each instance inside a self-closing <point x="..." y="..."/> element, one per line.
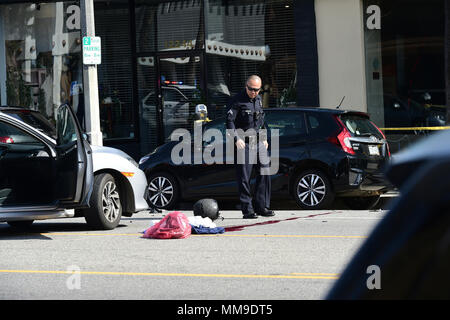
<point x="91" y="55"/>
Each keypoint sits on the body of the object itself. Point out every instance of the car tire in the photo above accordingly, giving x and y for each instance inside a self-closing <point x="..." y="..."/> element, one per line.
<point x="105" y="209"/>
<point x="361" y="203"/>
<point x="163" y="191"/>
<point x="20" y="224"/>
<point x="312" y="190"/>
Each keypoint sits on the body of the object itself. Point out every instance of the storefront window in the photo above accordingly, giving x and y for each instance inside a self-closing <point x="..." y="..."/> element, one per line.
<point x="250" y="37"/>
<point x="115" y="76"/>
<point x="40" y="56"/>
<point x="405" y="67"/>
<point x="205" y="50"/>
<point x="169" y="25"/>
<point x="169" y="44"/>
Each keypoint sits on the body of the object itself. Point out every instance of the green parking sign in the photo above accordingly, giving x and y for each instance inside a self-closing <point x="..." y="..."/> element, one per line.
<point x="92" y="50"/>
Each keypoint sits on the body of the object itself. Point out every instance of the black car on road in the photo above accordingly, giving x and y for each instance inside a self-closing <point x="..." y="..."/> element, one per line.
<point x="323" y="154"/>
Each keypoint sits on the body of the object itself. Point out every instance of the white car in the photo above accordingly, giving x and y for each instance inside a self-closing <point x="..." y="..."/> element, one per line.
<point x="43" y="178"/>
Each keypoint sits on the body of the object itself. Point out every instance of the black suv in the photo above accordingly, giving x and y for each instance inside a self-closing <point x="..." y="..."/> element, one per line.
<point x="323" y="154"/>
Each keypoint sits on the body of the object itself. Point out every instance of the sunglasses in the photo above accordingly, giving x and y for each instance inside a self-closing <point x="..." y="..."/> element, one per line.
<point x="253" y="89"/>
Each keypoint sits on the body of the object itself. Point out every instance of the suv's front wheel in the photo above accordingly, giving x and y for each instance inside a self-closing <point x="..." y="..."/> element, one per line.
<point x="312" y="190"/>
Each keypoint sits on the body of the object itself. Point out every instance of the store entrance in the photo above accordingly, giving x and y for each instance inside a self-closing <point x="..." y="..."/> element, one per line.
<point x="180" y="90"/>
<point x="170" y="86"/>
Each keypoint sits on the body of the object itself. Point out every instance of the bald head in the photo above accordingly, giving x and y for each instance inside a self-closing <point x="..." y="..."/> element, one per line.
<point x="253" y="86"/>
<point x="254" y="78"/>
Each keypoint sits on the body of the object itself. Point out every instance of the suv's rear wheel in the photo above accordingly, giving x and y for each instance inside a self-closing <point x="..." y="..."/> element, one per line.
<point x="105" y="208"/>
<point x="312" y="190"/>
<point x="162" y="190"/>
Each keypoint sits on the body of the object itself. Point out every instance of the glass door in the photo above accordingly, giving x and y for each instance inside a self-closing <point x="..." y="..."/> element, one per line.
<point x="180" y="90"/>
<point x="149" y="120"/>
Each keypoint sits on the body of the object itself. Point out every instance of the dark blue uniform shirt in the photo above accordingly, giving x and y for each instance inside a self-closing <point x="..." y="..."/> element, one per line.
<point x="245" y="113"/>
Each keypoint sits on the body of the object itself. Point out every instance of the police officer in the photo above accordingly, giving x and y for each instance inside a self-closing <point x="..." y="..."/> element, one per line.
<point x="246" y="113"/>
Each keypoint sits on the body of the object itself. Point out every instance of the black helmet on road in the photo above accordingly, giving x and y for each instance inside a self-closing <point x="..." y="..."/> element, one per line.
<point x="206" y="208"/>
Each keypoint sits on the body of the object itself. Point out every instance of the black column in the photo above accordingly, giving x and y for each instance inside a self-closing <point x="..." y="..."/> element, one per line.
<point x="306" y="50"/>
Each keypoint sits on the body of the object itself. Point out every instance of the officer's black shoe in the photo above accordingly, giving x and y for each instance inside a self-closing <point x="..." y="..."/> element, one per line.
<point x="265" y="213"/>
<point x="250" y="215"/>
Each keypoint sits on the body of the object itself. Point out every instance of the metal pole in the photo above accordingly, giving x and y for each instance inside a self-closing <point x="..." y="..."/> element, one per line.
<point x="90" y="81"/>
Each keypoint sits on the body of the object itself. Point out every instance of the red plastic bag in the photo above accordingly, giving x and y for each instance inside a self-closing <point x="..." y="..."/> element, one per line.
<point x="174" y="225"/>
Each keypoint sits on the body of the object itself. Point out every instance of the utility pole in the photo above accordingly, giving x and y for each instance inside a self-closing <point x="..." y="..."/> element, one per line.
<point x="90" y="80"/>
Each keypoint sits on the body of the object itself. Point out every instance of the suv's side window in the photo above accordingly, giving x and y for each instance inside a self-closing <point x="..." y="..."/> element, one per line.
<point x="291" y="124"/>
<point x="321" y="125"/>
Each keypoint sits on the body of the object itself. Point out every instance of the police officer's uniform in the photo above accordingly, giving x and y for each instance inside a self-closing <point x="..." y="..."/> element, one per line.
<point x="246" y="113"/>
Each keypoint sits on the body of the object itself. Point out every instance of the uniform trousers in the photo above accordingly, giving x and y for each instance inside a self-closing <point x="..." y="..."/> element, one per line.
<point x="253" y="156"/>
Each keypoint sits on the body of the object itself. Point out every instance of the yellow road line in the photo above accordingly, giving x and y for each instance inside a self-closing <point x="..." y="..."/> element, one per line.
<point x="316" y="274"/>
<point x="284" y="236"/>
<point x="207" y="235"/>
<point x="329" y="276"/>
<point x="89" y="234"/>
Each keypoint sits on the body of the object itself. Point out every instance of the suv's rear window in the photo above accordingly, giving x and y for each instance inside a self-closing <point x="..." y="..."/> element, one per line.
<point x="322" y="124"/>
<point x="360" y="126"/>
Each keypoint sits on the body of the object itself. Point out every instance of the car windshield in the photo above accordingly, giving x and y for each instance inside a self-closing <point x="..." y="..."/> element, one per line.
<point x="35" y="120"/>
<point x="360" y="126"/>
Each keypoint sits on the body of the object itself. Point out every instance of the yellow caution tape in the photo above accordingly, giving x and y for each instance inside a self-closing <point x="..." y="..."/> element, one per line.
<point x="416" y="128"/>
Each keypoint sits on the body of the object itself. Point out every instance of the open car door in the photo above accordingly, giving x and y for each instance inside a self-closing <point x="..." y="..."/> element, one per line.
<point x="74" y="173"/>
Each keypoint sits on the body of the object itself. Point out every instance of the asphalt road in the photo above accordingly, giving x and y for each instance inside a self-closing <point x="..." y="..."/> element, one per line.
<point x="294" y="255"/>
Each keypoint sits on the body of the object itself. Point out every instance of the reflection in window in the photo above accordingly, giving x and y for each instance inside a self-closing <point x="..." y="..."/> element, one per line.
<point x="41" y="50"/>
<point x="115" y="78"/>
<point x="149" y="122"/>
<point x="65" y="127"/>
<point x="405" y="67"/>
<point x="12" y="135"/>
<point x="250" y="37"/>
<point x="169" y="25"/>
<point x="288" y="123"/>
<point x="232" y="40"/>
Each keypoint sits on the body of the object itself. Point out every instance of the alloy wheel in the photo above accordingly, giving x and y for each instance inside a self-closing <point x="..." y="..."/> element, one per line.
<point x="111" y="201"/>
<point x="160" y="191"/>
<point x="311" y="190"/>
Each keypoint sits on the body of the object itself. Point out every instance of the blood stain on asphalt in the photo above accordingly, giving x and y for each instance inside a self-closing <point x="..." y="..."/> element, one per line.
<point x="242" y="227"/>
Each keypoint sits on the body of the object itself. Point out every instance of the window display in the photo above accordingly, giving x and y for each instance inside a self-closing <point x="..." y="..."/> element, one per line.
<point x="40" y="53"/>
